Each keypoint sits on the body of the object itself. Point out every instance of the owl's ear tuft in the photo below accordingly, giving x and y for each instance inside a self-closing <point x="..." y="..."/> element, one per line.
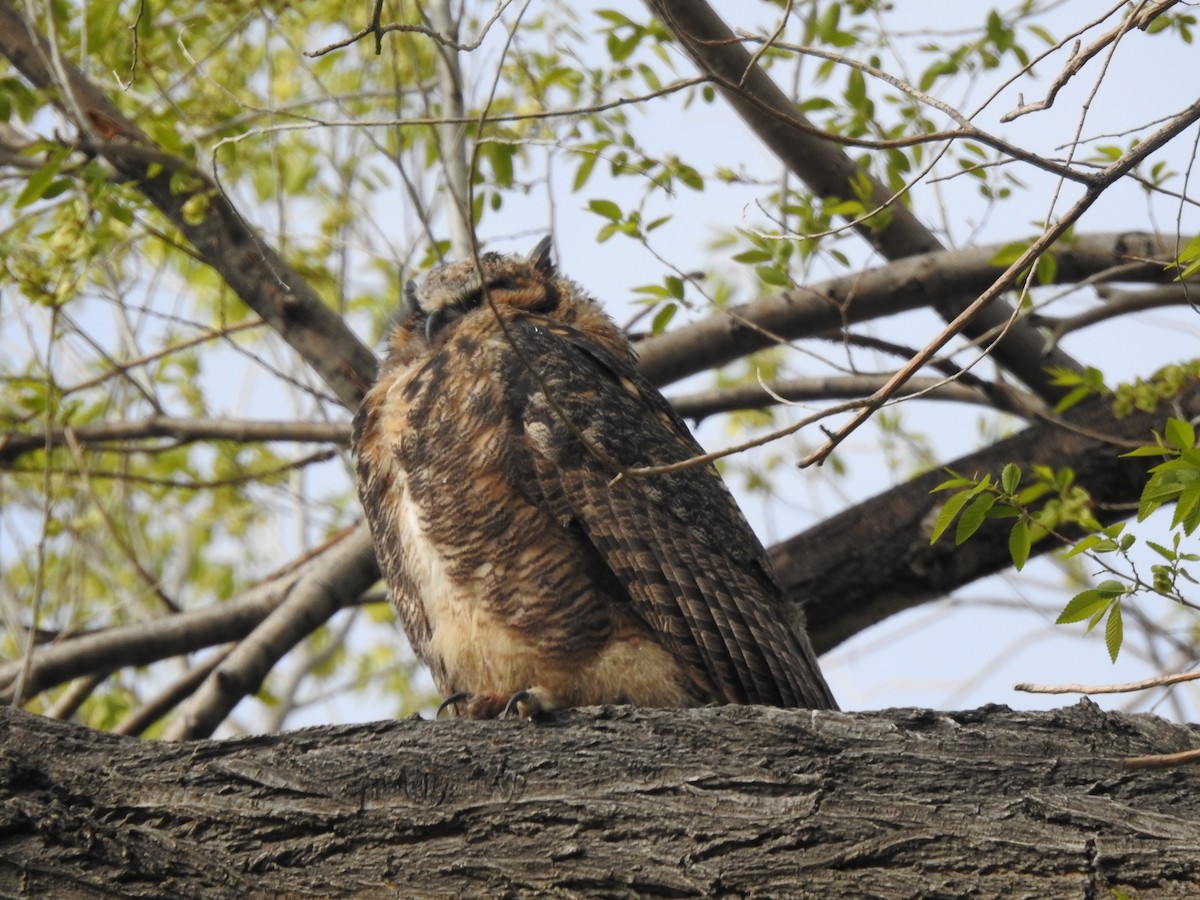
<point x="542" y="256"/>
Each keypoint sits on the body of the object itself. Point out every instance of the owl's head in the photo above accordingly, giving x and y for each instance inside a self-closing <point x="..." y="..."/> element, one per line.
<point x="430" y="310"/>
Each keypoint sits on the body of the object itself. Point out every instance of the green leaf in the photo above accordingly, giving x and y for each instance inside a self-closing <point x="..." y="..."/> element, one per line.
<point x="663" y="317"/>
<point x="956" y="482"/>
<point x="1146" y="451"/>
<point x="1165" y="552"/>
<point x="753" y="256"/>
<point x="1180" y="434"/>
<point x="1019" y="544"/>
<point x="1187" y="508"/>
<point x="501" y="158"/>
<point x="773" y="276"/>
<point x="1009" y="254"/>
<point x="1084" y="605"/>
<point x="1085" y="545"/>
<point x="1010" y="478"/>
<point x="1113" y="632"/>
<point x="973" y="517"/>
<point x="39" y="182"/>
<point x="605" y="208"/>
<point x="950" y="509"/>
<point x="586" y="165"/>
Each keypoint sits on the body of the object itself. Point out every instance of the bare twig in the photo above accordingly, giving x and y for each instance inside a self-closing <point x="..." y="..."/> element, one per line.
<point x="1120" y="303"/>
<point x="947" y="277"/>
<point x="1129" y="686"/>
<point x="145" y="642"/>
<point x="252" y="268"/>
<point x="378" y="31"/>
<point x="1161" y="761"/>
<point x="152" y="582"/>
<point x="1080" y="56"/>
<point x="75" y="695"/>
<point x="125" y="365"/>
<point x="1182" y="121"/>
<point x="829" y="171"/>
<point x="966" y="129"/>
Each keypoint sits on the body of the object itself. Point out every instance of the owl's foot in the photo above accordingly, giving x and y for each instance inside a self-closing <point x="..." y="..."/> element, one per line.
<point x="528" y="704"/>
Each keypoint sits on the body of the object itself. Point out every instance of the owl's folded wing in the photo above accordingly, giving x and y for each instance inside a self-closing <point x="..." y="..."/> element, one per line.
<point x="677" y="542"/>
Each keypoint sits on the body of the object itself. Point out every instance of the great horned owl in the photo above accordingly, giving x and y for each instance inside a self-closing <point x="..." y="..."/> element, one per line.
<point x="521" y="565"/>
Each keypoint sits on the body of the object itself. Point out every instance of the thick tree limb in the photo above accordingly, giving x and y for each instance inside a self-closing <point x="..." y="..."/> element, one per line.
<point x="828" y="171"/>
<point x="875" y="560"/>
<point x="799" y="390"/>
<point x="945" y="276"/>
<point x="729" y="801"/>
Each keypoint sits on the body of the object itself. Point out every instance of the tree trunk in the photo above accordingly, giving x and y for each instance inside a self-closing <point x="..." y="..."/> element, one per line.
<point x="728" y="801"/>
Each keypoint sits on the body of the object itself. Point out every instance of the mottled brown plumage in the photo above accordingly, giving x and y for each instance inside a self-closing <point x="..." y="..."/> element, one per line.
<point x="487" y="453"/>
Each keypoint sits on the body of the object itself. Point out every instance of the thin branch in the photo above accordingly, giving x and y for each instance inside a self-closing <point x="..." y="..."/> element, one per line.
<point x="152" y="582"/>
<point x="180" y="430"/>
<point x="122" y="367"/>
<point x="145" y="642"/>
<point x="1161" y="761"/>
<point x="1121" y="303"/>
<point x="966" y="129"/>
<point x="1125" y="688"/>
<point x="75" y="695"/>
<point x="451" y="138"/>
<point x="828" y="170"/>
<point x="945" y="277"/>
<point x="251" y="268"/>
<point x="1080" y="56"/>
<point x="193" y="485"/>
<point x="374" y="28"/>
<point x="488" y="118"/>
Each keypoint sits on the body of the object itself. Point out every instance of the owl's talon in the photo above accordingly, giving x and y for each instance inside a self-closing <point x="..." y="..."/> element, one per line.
<point x="513" y="706"/>
<point x="532" y="704"/>
<point x="452" y="700"/>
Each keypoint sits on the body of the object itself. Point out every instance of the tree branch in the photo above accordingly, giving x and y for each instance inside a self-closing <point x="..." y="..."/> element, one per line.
<point x="144" y="643"/>
<point x="348" y="569"/>
<point x="947" y="277"/>
<point x="702" y="404"/>
<point x="14" y="444"/>
<point x="727" y="801"/>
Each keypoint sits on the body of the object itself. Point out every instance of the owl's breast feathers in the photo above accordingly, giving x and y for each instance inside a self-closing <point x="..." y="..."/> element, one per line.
<point x="517" y="558"/>
<point x="497" y="592"/>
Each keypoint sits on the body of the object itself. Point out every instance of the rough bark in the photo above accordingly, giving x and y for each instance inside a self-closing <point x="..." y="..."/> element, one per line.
<point x="732" y="801"/>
